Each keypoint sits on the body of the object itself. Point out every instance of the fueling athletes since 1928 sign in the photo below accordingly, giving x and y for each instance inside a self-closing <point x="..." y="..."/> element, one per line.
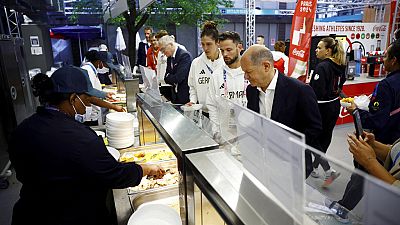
<point x="370" y="35"/>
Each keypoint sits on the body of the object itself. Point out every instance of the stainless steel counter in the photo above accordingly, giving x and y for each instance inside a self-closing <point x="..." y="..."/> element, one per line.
<point x="238" y="198"/>
<point x="181" y="135"/>
<point x="363" y="79"/>
<point x="178" y="132"/>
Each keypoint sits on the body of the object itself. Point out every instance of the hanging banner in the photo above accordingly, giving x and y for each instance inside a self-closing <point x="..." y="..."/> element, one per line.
<point x="300" y="38"/>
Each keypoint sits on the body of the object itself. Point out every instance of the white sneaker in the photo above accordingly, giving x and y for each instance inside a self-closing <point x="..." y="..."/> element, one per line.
<point x="314" y="173"/>
<point x="330" y="176"/>
<point x="338" y="211"/>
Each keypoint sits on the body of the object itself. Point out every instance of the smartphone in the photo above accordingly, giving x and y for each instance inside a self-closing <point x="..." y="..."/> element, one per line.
<point x="357" y="123"/>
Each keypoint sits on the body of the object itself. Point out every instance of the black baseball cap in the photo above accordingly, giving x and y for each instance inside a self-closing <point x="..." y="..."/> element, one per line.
<point x="69" y="79"/>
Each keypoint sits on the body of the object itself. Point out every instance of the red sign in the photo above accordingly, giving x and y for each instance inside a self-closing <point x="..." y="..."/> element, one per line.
<point x="300" y="37"/>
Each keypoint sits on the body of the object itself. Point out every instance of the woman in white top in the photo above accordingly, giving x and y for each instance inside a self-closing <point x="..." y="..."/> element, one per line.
<point x="204" y="66"/>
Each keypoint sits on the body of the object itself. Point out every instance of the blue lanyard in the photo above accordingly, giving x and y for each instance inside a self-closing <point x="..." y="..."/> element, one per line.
<point x="226" y="88"/>
<point x="395" y="160"/>
<point x="209" y="69"/>
<point x="375" y="90"/>
<point x="225" y="83"/>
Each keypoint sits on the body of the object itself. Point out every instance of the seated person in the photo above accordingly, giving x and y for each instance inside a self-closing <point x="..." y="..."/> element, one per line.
<point x="368" y="151"/>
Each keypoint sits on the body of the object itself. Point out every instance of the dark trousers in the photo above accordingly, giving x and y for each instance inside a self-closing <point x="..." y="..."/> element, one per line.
<point x="354" y="190"/>
<point x="167" y="92"/>
<point x="329" y="115"/>
<point x="309" y="167"/>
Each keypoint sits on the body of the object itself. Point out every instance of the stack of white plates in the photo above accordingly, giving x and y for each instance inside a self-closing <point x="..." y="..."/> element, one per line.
<point x="119" y="129"/>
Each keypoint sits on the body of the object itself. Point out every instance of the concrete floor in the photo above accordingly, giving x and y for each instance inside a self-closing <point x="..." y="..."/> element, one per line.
<point x="338" y="149"/>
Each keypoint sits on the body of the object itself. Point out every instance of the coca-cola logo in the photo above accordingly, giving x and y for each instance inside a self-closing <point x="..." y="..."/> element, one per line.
<point x="379" y="28"/>
<point x="299" y="53"/>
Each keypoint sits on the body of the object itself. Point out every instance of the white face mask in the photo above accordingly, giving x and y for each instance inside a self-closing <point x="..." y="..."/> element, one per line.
<point x="103" y="70"/>
<point x="83" y="117"/>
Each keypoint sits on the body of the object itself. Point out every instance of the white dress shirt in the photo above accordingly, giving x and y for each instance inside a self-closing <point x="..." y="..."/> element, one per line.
<point x="267" y="97"/>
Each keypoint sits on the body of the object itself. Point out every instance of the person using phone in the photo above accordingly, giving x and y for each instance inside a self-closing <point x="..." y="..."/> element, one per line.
<point x="383" y="118"/>
<point x="367" y="151"/>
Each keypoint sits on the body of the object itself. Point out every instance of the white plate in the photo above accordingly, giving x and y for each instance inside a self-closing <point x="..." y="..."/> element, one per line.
<point x="121" y="143"/>
<point x="114" y="152"/>
<point x="152" y="214"/>
<point x="118" y="117"/>
<point x="192" y="107"/>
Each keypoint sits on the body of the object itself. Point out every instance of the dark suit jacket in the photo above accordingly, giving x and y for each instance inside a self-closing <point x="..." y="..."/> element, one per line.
<point x="141" y="54"/>
<point x="177" y="75"/>
<point x="295" y="105"/>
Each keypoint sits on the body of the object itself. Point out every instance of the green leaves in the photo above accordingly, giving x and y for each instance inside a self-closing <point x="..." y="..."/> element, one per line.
<point x="85" y="7"/>
<point x="188" y="12"/>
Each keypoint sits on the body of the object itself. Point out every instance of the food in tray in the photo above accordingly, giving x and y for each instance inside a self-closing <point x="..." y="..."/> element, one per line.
<point x="348" y="100"/>
<point x="147" y="156"/>
<point x="171" y="177"/>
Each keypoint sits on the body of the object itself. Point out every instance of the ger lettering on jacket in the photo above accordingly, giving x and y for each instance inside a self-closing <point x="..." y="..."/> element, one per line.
<point x="203" y="80"/>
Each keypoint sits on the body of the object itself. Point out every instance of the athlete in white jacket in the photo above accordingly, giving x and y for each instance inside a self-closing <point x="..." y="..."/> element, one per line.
<point x="228" y="81"/>
<point x="203" y="67"/>
<point x="201" y="70"/>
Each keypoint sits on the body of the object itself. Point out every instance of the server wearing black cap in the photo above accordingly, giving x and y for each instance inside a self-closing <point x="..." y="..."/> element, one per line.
<point x="64" y="167"/>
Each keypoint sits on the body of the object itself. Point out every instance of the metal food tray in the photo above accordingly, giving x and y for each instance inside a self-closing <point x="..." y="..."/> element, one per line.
<point x="153" y="195"/>
<point x="148" y="149"/>
<point x="171" y="164"/>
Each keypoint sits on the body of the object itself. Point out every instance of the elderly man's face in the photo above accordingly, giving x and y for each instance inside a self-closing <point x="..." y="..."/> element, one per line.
<point x="167" y="50"/>
<point x="257" y="75"/>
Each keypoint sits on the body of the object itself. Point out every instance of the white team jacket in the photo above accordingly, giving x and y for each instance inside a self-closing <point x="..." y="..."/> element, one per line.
<point x="235" y="90"/>
<point x="200" y="72"/>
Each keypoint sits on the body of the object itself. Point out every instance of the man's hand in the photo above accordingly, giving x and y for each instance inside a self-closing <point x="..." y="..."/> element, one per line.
<point x="189" y="103"/>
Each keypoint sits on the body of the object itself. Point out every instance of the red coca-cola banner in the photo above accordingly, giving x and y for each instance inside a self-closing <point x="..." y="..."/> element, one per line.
<point x="300" y="38"/>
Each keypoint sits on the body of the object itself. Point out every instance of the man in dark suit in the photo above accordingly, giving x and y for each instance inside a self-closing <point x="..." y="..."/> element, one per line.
<point x="143" y="47"/>
<point x="281" y="98"/>
<point x="178" y="66"/>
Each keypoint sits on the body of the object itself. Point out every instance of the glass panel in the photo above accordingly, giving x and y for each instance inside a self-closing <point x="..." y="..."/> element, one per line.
<point x="353" y="197"/>
<point x="275" y="161"/>
<point x="151" y="87"/>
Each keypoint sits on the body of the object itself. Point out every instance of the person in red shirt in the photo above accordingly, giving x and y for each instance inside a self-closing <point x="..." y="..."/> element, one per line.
<point x="152" y="52"/>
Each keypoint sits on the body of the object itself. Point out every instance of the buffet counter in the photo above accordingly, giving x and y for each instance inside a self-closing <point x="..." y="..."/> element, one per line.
<point x="212" y="187"/>
<point x="180" y="135"/>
